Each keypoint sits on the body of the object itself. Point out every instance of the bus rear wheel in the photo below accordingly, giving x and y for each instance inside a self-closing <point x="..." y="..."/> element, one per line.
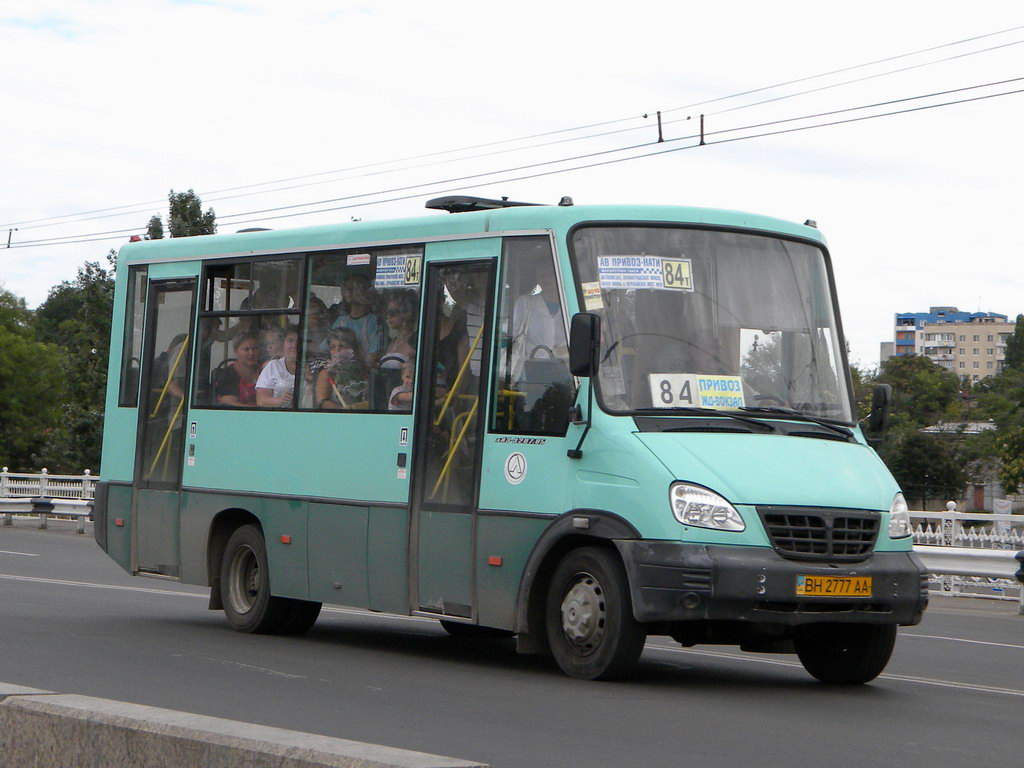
<point x="589" y="616"/>
<point x="245" y="581"/>
<point x="845" y="654"/>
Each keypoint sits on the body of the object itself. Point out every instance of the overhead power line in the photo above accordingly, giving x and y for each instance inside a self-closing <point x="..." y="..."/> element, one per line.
<point x="654" y="153"/>
<point x="123" y="210"/>
<point x="719" y="136"/>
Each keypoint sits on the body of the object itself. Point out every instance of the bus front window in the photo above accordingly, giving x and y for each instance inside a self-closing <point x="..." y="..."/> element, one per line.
<point x="697" y="318"/>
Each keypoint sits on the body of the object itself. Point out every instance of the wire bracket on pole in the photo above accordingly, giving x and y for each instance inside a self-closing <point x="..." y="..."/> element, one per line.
<point x="661" y="138"/>
<point x="702" y="130"/>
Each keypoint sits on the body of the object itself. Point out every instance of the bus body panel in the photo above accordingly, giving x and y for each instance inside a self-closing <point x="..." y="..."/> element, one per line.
<point x="284" y="524"/>
<point x="388" y="559"/>
<point x="776" y="469"/>
<point x="112" y="514"/>
<point x="504" y="544"/>
<point x="331" y="456"/>
<point x="338" y="568"/>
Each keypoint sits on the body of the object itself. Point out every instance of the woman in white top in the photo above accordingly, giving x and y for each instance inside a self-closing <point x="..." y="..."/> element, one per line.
<point x="276" y="384"/>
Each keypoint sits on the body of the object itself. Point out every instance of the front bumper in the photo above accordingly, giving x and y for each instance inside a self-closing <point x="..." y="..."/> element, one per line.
<point x="671" y="582"/>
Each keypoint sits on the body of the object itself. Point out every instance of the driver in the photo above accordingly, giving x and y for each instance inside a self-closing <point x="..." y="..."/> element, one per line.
<point x="537" y="329"/>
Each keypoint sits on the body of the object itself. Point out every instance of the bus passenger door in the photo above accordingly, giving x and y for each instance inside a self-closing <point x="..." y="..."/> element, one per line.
<point x="160" y="438"/>
<point x="448" y="436"/>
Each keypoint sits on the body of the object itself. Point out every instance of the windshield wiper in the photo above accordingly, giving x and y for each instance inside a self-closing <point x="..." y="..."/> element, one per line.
<point x="695" y="411"/>
<point x="802" y="416"/>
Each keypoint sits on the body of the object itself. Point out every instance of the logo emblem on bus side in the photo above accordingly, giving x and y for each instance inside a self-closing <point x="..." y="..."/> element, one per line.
<point x="515" y="468"/>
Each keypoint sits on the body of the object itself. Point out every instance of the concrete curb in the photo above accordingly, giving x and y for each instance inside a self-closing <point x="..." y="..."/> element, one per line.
<point x="47" y="730"/>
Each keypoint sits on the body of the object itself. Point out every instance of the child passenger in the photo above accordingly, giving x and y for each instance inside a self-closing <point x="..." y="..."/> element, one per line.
<point x="341" y="384"/>
<point x="401" y="396"/>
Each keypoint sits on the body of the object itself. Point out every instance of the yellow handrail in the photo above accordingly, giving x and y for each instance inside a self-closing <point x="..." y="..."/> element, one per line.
<point x="508" y="396"/>
<point x="170" y="377"/>
<point x="458" y="378"/>
<point x="167" y="437"/>
<point x="455" y="445"/>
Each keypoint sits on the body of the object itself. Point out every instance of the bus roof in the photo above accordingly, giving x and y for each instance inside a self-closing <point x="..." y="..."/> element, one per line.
<point x="557" y="218"/>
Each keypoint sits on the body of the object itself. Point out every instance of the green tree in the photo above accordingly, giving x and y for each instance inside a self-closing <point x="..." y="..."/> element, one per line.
<point x="185" y="216"/>
<point x="1010" y="449"/>
<point x="1015" y="347"/>
<point x="923" y="392"/>
<point x="927" y="467"/>
<point x="863" y="389"/>
<point x="76" y="317"/>
<point x="155" y="228"/>
<point x="30" y="386"/>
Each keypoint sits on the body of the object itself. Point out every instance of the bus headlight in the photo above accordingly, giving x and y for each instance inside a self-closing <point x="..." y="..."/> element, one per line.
<point x="899" y="518"/>
<point x="701" y="508"/>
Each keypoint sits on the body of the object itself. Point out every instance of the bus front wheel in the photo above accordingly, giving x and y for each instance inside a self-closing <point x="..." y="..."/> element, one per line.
<point x="845" y="654"/>
<point x="245" y="581"/>
<point x="589" y="615"/>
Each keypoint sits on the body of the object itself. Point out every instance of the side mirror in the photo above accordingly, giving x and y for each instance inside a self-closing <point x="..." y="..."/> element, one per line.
<point x="584" y="344"/>
<point x="881" y="400"/>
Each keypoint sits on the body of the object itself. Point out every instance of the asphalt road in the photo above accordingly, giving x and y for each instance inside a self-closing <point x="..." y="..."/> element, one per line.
<point x="72" y="621"/>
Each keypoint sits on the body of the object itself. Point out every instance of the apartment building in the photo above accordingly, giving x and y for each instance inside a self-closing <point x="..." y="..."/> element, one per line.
<point x="970" y="344"/>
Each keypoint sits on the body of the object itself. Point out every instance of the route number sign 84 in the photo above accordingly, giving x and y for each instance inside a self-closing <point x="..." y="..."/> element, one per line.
<point x="673" y="390"/>
<point x="684" y="390"/>
<point x="676" y="274"/>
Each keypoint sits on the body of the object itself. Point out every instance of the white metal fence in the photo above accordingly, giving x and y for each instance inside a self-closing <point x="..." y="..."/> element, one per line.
<point x="47" y="486"/>
<point x="44" y="495"/>
<point x="979" y="531"/>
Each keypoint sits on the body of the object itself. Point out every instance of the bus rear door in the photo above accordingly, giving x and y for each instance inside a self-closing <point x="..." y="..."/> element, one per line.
<point x="161" y="429"/>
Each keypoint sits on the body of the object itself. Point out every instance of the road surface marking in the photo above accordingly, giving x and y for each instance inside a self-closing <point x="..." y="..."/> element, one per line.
<point x="962" y="640"/>
<point x="8" y="552"/>
<point x="65" y="582"/>
<point x="204" y="595"/>
<point x="898" y="678"/>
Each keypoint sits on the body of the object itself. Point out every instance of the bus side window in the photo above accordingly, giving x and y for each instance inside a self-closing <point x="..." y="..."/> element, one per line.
<point x="366" y="301"/>
<point x="131" y="350"/>
<point x="248" y="310"/>
<point x="534" y="386"/>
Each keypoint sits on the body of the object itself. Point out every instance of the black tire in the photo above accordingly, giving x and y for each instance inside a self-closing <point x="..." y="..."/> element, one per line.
<point x="302" y="616"/>
<point x="245" y="585"/>
<point x="473" y="631"/>
<point x="589" y="616"/>
<point x="845" y="654"/>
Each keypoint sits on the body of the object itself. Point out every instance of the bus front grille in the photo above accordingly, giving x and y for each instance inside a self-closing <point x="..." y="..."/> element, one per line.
<point x="803" y="533"/>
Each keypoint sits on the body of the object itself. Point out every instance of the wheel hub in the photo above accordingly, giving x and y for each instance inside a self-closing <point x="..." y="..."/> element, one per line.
<point x="244" y="580"/>
<point x="583" y="613"/>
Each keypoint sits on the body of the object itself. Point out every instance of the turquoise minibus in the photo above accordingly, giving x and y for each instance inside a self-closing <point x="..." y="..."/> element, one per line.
<point x="576" y="426"/>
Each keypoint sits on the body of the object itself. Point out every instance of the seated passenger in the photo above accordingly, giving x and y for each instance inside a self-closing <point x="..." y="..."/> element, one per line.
<point x="341" y="385"/>
<point x="358" y="313"/>
<point x="275" y="386"/>
<point x="401" y="320"/>
<point x="401" y="396"/>
<point x="235" y="383"/>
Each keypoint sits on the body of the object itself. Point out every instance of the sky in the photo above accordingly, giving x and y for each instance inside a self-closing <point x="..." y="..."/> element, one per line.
<point x="269" y="109"/>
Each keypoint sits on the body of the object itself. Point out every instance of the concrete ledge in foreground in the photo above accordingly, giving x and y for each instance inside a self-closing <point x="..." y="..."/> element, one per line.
<point x="41" y="730"/>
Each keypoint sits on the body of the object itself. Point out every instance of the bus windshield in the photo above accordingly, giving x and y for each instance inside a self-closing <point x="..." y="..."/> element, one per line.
<point x="696" y="318"/>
